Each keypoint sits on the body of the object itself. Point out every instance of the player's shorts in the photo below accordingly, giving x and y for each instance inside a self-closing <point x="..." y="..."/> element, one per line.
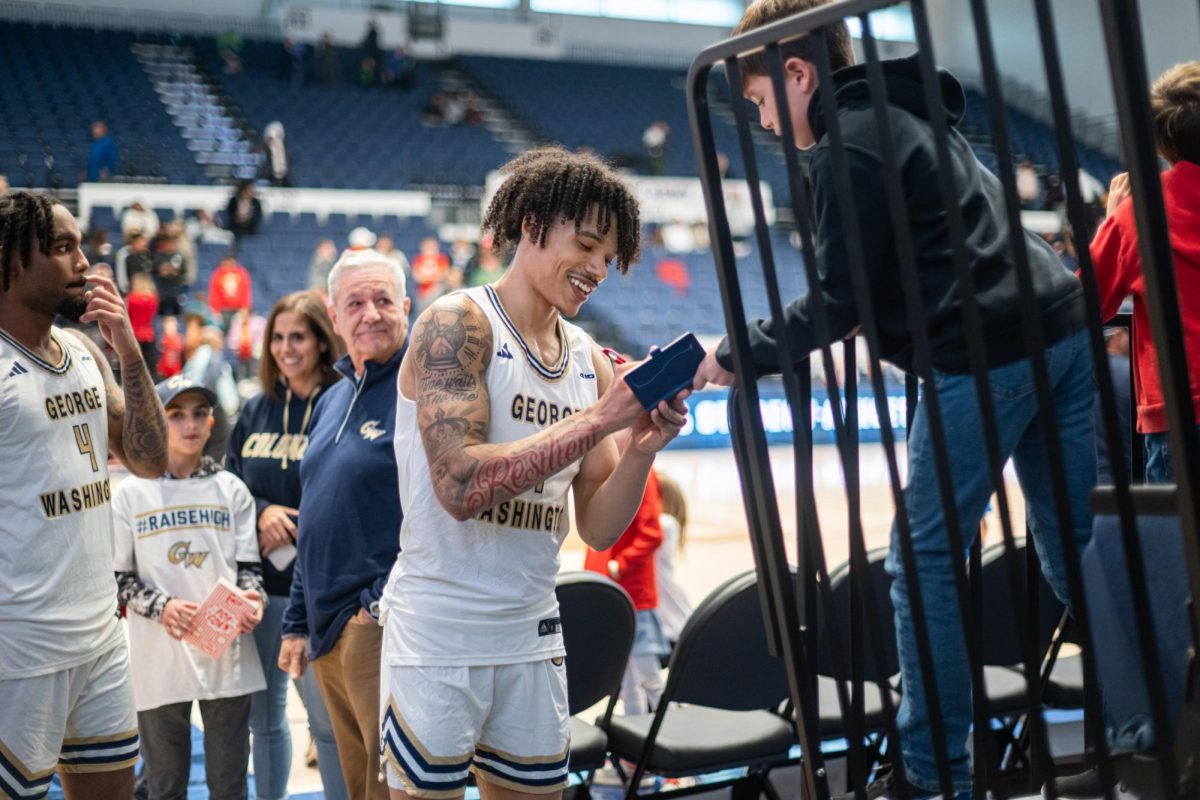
<point x="80" y="719"/>
<point x="507" y="723"/>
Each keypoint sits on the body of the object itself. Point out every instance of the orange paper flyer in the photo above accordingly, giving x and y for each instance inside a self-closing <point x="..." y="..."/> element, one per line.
<point x="218" y="619"/>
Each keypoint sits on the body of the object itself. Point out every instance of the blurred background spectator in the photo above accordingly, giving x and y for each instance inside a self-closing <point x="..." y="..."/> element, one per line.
<point x="102" y="155"/>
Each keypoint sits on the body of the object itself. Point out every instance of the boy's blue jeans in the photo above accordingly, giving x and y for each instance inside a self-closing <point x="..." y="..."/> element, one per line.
<point x="1020" y="434"/>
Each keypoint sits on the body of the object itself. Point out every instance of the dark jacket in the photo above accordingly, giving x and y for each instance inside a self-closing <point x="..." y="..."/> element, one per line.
<point x="349" y="531"/>
<point x="244" y="226"/>
<point x="266" y="455"/>
<point x="981" y="200"/>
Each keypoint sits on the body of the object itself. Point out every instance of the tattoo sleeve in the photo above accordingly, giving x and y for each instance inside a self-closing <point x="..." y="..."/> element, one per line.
<point x="137" y="409"/>
<point x="452" y="344"/>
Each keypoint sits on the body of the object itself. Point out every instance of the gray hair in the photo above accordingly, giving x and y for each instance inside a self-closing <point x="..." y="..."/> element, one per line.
<point x="357" y="259"/>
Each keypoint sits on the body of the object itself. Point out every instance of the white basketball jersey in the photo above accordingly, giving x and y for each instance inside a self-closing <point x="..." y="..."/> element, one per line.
<point x="58" y="598"/>
<point x="482" y="591"/>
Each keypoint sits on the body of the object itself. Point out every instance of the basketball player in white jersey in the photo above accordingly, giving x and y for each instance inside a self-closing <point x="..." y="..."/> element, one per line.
<point x="503" y="408"/>
<point x="66" y="704"/>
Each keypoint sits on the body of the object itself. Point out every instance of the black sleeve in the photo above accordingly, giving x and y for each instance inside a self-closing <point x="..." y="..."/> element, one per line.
<point x="833" y="273"/>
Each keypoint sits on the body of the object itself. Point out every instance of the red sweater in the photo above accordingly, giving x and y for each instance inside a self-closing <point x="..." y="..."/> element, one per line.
<point x="143" y="307"/>
<point x="229" y="289"/>
<point x="1119" y="273"/>
<point x="634" y="551"/>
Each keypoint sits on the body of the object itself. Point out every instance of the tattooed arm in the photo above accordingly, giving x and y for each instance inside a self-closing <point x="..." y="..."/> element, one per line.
<point x="137" y="425"/>
<point x="452" y="345"/>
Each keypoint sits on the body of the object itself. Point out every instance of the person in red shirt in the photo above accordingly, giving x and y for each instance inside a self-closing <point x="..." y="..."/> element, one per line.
<point x="431" y="274"/>
<point x="230" y="290"/>
<point x="630" y="562"/>
<point x="170" y="363"/>
<point x="142" y="302"/>
<point x="1175" y="101"/>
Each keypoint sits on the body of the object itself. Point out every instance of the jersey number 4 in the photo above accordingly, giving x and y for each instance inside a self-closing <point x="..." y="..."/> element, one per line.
<point x="83" y="438"/>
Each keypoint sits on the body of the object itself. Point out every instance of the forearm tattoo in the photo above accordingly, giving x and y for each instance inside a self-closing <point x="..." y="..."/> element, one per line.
<point x="136" y="405"/>
<point x="451" y="346"/>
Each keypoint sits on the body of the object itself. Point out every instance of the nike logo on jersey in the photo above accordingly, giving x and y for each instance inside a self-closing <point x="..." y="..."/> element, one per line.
<point x="371" y="431"/>
<point x="504" y="352"/>
<point x="17" y="369"/>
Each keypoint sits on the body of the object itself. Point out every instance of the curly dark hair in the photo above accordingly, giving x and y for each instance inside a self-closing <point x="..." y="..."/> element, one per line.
<point x="549" y="184"/>
<point x="25" y="218"/>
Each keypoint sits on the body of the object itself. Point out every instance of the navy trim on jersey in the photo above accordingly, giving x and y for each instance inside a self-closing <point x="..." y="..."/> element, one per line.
<point x="61" y="369"/>
<point x="549" y="373"/>
<point x="24" y="787"/>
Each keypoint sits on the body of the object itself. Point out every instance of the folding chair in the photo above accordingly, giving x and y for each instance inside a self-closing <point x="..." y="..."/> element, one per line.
<point x="598" y="623"/>
<point x="712" y="713"/>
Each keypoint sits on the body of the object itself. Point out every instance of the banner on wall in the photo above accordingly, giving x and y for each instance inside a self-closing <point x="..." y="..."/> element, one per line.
<point x="708" y="417"/>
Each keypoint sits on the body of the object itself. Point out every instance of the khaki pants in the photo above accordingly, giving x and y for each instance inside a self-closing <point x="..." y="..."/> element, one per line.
<point x="348" y="676"/>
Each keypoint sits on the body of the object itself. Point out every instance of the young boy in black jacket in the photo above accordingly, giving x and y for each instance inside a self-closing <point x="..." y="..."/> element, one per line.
<point x="990" y="249"/>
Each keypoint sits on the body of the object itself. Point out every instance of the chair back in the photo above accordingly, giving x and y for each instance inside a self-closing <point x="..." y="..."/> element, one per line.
<point x="883" y="622"/>
<point x="721" y="659"/>
<point x="598" y="623"/>
<point x="1001" y="644"/>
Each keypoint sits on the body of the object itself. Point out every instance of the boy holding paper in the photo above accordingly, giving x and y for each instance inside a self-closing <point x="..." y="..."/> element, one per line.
<point x="177" y="537"/>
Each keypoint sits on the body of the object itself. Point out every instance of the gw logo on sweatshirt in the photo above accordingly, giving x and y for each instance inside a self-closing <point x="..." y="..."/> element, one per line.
<point x="371" y="431"/>
<point x="181" y="553"/>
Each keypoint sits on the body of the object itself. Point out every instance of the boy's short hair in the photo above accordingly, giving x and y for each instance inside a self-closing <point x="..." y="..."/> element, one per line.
<point x="764" y="12"/>
<point x="1175" y="106"/>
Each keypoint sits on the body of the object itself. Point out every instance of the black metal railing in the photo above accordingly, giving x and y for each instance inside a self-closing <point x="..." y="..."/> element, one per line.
<point x="794" y="606"/>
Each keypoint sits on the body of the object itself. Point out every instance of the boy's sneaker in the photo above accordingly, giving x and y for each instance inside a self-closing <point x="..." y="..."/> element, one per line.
<point x="888" y="785"/>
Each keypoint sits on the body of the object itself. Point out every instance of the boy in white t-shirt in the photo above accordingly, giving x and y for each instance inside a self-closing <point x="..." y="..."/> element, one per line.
<point x="176" y="536"/>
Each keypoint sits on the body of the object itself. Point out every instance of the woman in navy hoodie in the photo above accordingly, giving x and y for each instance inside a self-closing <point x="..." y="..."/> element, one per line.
<point x="265" y="450"/>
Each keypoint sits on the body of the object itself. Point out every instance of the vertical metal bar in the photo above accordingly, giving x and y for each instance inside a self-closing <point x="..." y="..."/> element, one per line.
<point x="814" y="573"/>
<point x="1069" y="170"/>
<point x="758" y="481"/>
<point x="1123" y="31"/>
<point x="861" y="289"/>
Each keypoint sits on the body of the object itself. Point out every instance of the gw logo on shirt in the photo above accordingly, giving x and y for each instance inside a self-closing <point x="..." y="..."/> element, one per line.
<point x="371" y="431"/>
<point x="180" y="553"/>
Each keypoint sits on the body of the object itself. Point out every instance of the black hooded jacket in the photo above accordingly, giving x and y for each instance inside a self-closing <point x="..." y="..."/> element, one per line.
<point x="981" y="200"/>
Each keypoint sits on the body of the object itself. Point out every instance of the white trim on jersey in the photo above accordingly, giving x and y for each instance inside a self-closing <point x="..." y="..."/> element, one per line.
<point x="549" y="373"/>
<point x="61" y="369"/>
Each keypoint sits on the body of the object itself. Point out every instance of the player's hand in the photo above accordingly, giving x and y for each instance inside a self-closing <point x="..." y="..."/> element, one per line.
<point x="276" y="528"/>
<point x="655" y="430"/>
<point x="293" y="656"/>
<point x="710" y="371"/>
<point x="106" y="308"/>
<point x="619" y="407"/>
<point x="1118" y="190"/>
<point x="177" y="617"/>
<point x="251" y="622"/>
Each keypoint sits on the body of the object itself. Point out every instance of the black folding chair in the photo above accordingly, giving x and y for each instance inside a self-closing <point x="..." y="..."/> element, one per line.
<point x="598" y="623"/>
<point x="712" y="715"/>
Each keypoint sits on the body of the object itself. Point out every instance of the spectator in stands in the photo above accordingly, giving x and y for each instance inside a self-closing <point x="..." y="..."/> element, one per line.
<point x="204" y="362"/>
<point x="244" y="339"/>
<point x="431" y="275"/>
<point x="102" y="155"/>
<point x="322" y="261"/>
<point x="170" y="360"/>
<point x="230" y="290"/>
<point x="329" y="70"/>
<point x="171" y="277"/>
<point x="398" y="69"/>
<point x="461" y="254"/>
<point x="1175" y="104"/>
<point x="387" y="247"/>
<point x="1116" y="344"/>
<point x="243" y="214"/>
<point x="1058" y="301"/>
<point x="294" y="61"/>
<point x="630" y="562"/>
<point x="163" y="580"/>
<point x="176" y="231"/>
<point x="266" y="449"/>
<point x="344" y="558"/>
<point x="200" y="227"/>
<point x="487" y="270"/>
<point x="371" y="54"/>
<point x="229" y="46"/>
<point x="654" y="141"/>
<point x="3" y="184"/>
<point x="1029" y="185"/>
<point x="142" y="302"/>
<point x="674" y="608"/>
<point x="139" y="218"/>
<point x="276" y="162"/>
<point x="99" y="249"/>
<point x="361" y="239"/>
<point x="133" y="258"/>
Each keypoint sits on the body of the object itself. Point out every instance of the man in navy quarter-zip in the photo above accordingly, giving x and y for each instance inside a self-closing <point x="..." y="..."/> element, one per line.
<point x="350" y="514"/>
